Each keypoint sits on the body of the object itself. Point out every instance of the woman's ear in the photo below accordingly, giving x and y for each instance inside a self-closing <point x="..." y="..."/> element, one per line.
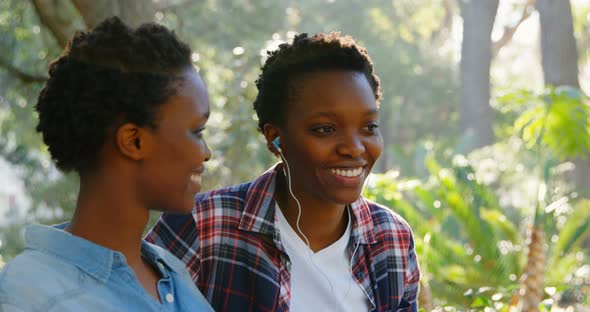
<point x="271" y="132"/>
<point x="132" y="141"/>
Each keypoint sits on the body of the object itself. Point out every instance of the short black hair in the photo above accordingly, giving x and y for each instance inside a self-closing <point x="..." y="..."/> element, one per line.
<point x="104" y="78"/>
<point x="276" y="83"/>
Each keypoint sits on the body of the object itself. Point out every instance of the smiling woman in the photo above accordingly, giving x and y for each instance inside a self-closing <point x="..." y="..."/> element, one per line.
<point x="330" y="137"/>
<point x="301" y="237"/>
<point x="125" y="110"/>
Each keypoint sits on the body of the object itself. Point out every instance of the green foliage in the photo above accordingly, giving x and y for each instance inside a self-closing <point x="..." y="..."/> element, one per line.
<point x="28" y="46"/>
<point x="558" y="120"/>
<point x="580" y="12"/>
<point x="11" y="240"/>
<point x="471" y="252"/>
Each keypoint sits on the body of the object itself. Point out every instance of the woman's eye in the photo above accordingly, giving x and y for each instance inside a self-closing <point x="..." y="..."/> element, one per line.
<point x="372" y="127"/>
<point x="324" y="129"/>
<point x="199" y="132"/>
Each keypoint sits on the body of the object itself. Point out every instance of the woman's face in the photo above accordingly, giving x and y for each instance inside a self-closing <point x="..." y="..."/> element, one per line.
<point x="171" y="172"/>
<point x="331" y="139"/>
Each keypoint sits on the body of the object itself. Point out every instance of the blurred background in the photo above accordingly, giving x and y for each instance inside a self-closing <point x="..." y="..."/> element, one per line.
<point x="485" y="118"/>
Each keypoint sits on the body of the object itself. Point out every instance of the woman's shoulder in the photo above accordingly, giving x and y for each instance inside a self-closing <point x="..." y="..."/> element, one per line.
<point x="34" y="279"/>
<point x="260" y="188"/>
<point x="387" y="220"/>
<point x="236" y="192"/>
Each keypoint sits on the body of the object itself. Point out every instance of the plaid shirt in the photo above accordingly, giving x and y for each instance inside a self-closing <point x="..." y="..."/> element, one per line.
<point x="233" y="251"/>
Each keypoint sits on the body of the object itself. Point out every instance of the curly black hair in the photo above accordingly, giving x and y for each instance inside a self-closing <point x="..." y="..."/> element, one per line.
<point x="104" y="78"/>
<point x="290" y="62"/>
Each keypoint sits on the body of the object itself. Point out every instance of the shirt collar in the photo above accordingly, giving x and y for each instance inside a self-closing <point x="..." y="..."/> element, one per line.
<point x="362" y="226"/>
<point x="95" y="260"/>
<point x="156" y="255"/>
<point x="259" y="214"/>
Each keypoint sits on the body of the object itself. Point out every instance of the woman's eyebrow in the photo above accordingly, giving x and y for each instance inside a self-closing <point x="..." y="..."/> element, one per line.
<point x="323" y="114"/>
<point x="332" y="114"/>
<point x="371" y="112"/>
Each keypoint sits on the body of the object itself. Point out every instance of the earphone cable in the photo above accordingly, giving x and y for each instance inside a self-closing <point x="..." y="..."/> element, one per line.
<point x="299" y="228"/>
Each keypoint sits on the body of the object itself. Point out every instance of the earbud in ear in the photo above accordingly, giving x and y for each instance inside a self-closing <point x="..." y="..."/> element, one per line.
<point x="276" y="144"/>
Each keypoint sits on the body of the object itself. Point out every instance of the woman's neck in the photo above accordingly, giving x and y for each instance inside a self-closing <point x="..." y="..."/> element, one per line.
<point x="322" y="222"/>
<point x="108" y="217"/>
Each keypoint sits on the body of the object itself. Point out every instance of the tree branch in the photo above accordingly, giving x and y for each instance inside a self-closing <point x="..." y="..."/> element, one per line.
<point x="51" y="14"/>
<point x="509" y="31"/>
<point x="447" y="21"/>
<point x="20" y="74"/>
<point x="133" y="13"/>
<point x="163" y="5"/>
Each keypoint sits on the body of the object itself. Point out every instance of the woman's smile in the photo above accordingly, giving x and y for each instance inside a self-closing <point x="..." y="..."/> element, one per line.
<point x="346" y="177"/>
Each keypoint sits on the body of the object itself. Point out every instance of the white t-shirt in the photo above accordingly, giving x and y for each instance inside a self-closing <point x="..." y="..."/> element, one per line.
<point x="321" y="281"/>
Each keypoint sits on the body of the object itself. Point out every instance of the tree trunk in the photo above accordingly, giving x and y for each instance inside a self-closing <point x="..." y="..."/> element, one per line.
<point x="531" y="288"/>
<point x="559" y="56"/>
<point x="476" y="115"/>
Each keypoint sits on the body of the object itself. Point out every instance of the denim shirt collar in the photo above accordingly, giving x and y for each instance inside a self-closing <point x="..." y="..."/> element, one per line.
<point x="97" y="261"/>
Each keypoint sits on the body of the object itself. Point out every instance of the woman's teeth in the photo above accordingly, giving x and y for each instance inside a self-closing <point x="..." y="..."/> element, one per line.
<point x="347" y="172"/>
<point x="196" y="178"/>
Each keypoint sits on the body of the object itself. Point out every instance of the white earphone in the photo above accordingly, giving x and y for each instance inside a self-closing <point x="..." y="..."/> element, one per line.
<point x="277" y="146"/>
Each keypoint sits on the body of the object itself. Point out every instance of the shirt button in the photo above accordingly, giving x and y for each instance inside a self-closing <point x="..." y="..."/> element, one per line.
<point x="169" y="298"/>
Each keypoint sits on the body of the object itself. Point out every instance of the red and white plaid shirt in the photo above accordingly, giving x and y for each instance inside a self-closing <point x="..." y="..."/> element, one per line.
<point x="233" y="251"/>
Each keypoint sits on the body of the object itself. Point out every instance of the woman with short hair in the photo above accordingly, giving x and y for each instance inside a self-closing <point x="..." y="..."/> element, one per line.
<point x="124" y="109"/>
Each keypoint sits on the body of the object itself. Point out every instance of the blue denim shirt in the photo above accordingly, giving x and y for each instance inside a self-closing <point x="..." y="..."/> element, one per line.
<point x="62" y="272"/>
